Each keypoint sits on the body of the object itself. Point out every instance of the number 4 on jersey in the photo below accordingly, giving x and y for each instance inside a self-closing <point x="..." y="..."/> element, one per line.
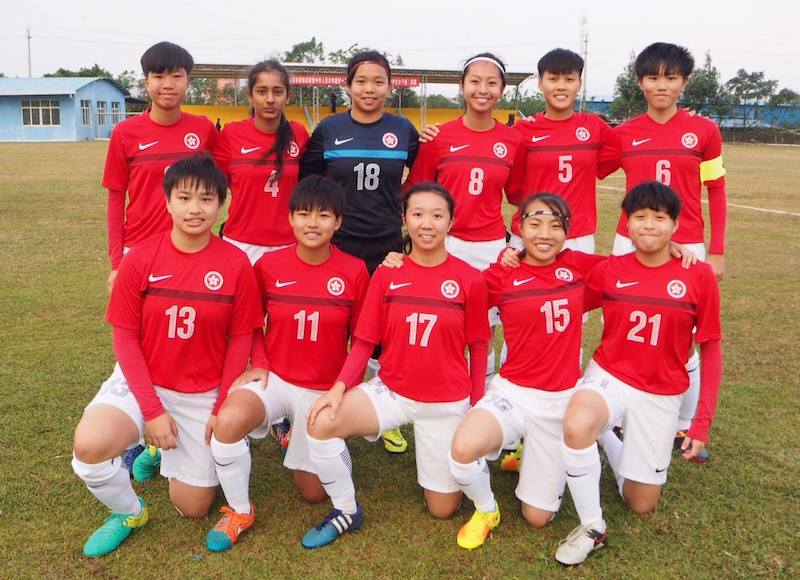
<point x="271" y="186"/>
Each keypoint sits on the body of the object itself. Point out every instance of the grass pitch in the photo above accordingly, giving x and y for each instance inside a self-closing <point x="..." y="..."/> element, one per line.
<point x="738" y="516"/>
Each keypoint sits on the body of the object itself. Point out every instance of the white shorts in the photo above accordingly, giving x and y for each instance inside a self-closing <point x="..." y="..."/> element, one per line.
<point x="648" y="421"/>
<point x="191" y="462"/>
<point x="434" y="427"/>
<point x="479" y="255"/>
<point x="580" y="244"/>
<point x="538" y="417"/>
<point x="253" y="251"/>
<point x="282" y="399"/>
<point x="623" y="245"/>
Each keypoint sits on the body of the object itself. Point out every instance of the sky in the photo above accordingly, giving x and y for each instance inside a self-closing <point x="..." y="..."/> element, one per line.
<point x="755" y="36"/>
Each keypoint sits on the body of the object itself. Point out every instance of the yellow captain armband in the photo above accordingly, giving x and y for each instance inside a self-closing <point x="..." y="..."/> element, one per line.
<point x="712" y="169"/>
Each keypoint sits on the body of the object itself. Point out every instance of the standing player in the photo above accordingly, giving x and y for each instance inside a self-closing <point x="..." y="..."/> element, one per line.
<point x="424" y="314"/>
<point x="366" y="151"/>
<point x="312" y="293"/>
<point x="261" y="158"/>
<point x="637" y="376"/>
<point x="684" y="152"/>
<point x="473" y="157"/>
<point x="143" y="147"/>
<point x="183" y="311"/>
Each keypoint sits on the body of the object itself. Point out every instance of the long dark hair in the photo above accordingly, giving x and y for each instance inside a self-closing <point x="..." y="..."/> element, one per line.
<point x="285" y="133"/>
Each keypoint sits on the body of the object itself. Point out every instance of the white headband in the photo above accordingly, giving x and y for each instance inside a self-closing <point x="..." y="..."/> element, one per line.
<point x="486" y="59"/>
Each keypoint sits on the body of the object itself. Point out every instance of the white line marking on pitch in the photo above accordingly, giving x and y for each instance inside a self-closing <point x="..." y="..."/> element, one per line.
<point x="736" y="205"/>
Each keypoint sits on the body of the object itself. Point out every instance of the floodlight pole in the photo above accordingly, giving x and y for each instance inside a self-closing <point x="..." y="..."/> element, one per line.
<point x="28" y="35"/>
<point x="585" y="41"/>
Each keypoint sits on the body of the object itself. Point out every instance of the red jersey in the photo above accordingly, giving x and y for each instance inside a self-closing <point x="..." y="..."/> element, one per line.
<point x="259" y="207"/>
<point x="139" y="153"/>
<point x="683" y="153"/>
<point x="561" y="157"/>
<point x="541" y="308"/>
<point x="649" y="314"/>
<point x="311" y="311"/>
<point x="424" y="318"/>
<point x="185" y="306"/>
<point x="475" y="167"/>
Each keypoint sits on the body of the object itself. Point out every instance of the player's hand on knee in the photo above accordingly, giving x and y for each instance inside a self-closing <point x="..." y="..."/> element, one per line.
<point x="212" y="421"/>
<point x="510" y="258"/>
<point x="162" y="431"/>
<point x="252" y="374"/>
<point x="717" y="263"/>
<point x="393" y="260"/>
<point x="691" y="448"/>
<point x="428" y="133"/>
<point x="112" y="277"/>
<point x="332" y="399"/>
<point x="688" y="257"/>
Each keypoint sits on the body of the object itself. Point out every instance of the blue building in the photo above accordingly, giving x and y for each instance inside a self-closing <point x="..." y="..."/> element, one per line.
<point x="59" y="108"/>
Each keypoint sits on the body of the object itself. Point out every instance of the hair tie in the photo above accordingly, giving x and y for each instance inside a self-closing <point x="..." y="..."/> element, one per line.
<point x="486" y="59"/>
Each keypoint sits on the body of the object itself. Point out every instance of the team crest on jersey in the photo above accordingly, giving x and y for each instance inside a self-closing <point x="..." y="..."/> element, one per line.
<point x="293" y="149"/>
<point x="582" y="134"/>
<point x="191" y="140"/>
<point x="336" y="286"/>
<point x="676" y="289"/>
<point x="564" y="274"/>
<point x="213" y="280"/>
<point x="450" y="289"/>
<point x="689" y="140"/>
<point x="390" y="140"/>
<point x="500" y="149"/>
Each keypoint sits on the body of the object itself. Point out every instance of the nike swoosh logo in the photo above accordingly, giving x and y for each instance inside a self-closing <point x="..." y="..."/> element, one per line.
<point x="279" y="284"/>
<point x="250" y="150"/>
<point x="153" y="279"/>
<point x="143" y="146"/>
<point x="453" y="149"/>
<point x="570" y="475"/>
<point x="542" y="138"/>
<point x="393" y="286"/>
<point x="521" y="282"/>
<point x="341" y="141"/>
<point x="661" y="470"/>
<point x="621" y="284"/>
<point x="636" y="143"/>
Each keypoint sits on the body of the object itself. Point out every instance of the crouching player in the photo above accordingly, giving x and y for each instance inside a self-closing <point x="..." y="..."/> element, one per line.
<point x="312" y="293"/>
<point x="183" y="311"/>
<point x="637" y="377"/>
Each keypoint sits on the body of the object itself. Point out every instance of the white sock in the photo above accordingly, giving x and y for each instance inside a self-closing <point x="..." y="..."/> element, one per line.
<point x="474" y="480"/>
<point x="692" y="395"/>
<point x="583" y="478"/>
<point x="109" y="483"/>
<point x="612" y="447"/>
<point x="233" y="470"/>
<point x="331" y="459"/>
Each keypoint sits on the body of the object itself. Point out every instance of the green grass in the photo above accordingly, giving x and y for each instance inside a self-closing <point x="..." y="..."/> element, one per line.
<point x="738" y="516"/>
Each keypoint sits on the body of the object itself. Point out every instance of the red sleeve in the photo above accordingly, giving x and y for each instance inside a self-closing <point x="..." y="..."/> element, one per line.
<point x="222" y="154"/>
<point x="478" y="356"/>
<point x="362" y="284"/>
<point x="493" y="278"/>
<point x="610" y="154"/>
<point x="424" y="168"/>
<point x="710" y="379"/>
<point x="258" y="354"/>
<point x="584" y="262"/>
<point x="718" y="212"/>
<point x="247" y="313"/>
<point x="236" y="355"/>
<point x="300" y="137"/>
<point x="125" y="306"/>
<point x="211" y="135"/>
<point x="115" y="220"/>
<point x="128" y="351"/>
<point x="708" y="307"/>
<point x="593" y="294"/>
<point x="369" y="327"/>
<point x="352" y="372"/>
<point x="476" y="320"/>
<point x="515" y="185"/>
<point x="116" y="172"/>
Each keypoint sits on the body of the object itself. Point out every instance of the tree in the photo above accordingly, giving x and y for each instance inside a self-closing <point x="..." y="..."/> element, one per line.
<point x="750" y="91"/>
<point x="309" y="51"/>
<point x="525" y="102"/>
<point x="437" y="101"/>
<point x="128" y="79"/>
<point x="704" y="92"/>
<point x="628" y="98"/>
<point x="779" y="103"/>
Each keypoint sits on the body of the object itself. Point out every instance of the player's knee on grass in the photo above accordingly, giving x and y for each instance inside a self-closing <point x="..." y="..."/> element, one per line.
<point x="101" y="436"/>
<point x="442" y="505"/>
<point x="535" y="517"/>
<point x="237" y="417"/>
<point x="641" y="498"/>
<point x="308" y="486"/>
<point x="583" y="420"/>
<point x="191" y="501"/>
